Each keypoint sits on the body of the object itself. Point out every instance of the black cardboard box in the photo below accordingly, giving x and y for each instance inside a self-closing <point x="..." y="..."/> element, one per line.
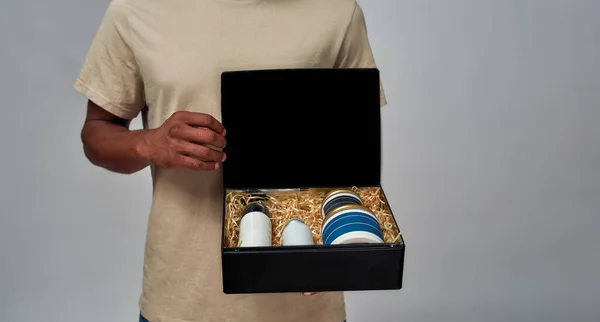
<point x="304" y="129"/>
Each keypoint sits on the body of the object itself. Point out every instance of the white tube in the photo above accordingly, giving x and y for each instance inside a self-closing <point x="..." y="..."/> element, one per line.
<point x="255" y="230"/>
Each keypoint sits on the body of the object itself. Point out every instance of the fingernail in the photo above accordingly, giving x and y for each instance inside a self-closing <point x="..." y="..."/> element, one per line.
<point x="216" y="166"/>
<point x="224" y="132"/>
<point x="224" y="157"/>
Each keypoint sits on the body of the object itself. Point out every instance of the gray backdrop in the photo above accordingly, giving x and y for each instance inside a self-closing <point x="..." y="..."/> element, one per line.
<point x="491" y="162"/>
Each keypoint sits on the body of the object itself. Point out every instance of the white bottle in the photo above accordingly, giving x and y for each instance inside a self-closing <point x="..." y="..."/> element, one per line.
<point x="255" y="227"/>
<point x="297" y="233"/>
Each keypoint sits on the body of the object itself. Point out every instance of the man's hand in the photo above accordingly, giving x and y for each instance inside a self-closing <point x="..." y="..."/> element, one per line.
<point x="185" y="140"/>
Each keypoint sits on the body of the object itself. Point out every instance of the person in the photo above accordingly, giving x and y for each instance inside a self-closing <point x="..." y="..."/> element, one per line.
<point x="163" y="60"/>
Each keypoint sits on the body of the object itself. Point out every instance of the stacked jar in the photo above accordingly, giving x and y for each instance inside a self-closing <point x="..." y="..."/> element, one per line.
<point x="347" y="221"/>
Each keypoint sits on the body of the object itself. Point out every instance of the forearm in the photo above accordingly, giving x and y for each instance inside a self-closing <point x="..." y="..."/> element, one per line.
<point x="113" y="146"/>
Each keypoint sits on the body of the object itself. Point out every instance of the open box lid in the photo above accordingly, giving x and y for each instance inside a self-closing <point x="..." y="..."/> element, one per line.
<point x="301" y="128"/>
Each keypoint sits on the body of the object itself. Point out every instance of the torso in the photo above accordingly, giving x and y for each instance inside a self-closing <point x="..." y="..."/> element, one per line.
<point x="182" y="47"/>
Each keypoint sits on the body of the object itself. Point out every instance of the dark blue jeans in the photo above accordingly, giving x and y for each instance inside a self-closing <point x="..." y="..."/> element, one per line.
<point x="142" y="319"/>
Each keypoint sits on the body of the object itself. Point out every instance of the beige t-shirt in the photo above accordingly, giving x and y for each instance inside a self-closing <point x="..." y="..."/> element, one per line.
<point x="157" y="57"/>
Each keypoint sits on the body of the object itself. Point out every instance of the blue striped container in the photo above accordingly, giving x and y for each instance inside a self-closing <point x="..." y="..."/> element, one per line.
<point x="351" y="224"/>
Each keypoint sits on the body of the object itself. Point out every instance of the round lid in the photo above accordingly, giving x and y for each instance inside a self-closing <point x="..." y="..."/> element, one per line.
<point x="255" y="206"/>
<point x="336" y="191"/>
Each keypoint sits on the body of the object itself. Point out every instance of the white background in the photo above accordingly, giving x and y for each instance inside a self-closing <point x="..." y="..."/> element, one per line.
<point x="491" y="163"/>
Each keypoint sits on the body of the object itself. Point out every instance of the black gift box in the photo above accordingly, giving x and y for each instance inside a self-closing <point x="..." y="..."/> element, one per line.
<point x="332" y="117"/>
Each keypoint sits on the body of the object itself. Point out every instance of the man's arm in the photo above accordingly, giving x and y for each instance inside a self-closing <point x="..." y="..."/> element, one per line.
<point x="109" y="143"/>
<point x="181" y="142"/>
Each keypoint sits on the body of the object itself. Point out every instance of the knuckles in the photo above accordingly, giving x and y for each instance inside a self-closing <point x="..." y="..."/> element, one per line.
<point x="178" y="116"/>
<point x="197" y="164"/>
<point x="203" y="152"/>
<point x="206" y="120"/>
<point x="175" y="130"/>
<point x="207" y="136"/>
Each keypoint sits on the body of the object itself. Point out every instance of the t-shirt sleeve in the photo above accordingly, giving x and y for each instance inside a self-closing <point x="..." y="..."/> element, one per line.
<point x="356" y="51"/>
<point x="110" y="76"/>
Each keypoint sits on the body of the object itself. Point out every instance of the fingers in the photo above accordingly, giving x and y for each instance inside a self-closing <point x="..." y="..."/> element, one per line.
<point x="201" y="135"/>
<point x="182" y="161"/>
<point x="309" y="293"/>
<point x="190" y="140"/>
<point x="200" y="120"/>
<point x="201" y="152"/>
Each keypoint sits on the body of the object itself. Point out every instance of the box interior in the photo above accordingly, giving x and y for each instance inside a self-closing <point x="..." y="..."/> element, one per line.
<point x="304" y="204"/>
